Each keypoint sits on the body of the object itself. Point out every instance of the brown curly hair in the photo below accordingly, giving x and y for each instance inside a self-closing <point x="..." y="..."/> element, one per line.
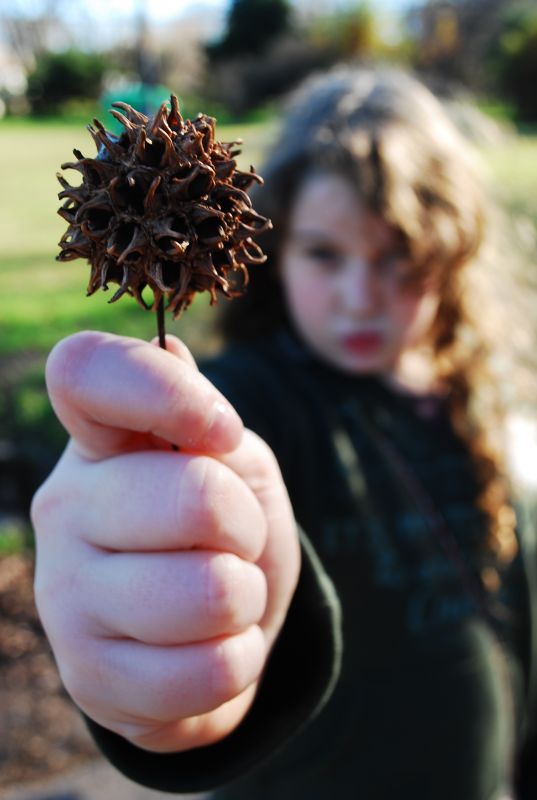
<point x="387" y="134"/>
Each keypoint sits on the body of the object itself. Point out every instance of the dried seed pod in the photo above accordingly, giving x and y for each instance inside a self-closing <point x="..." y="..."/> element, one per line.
<point x="163" y="206"/>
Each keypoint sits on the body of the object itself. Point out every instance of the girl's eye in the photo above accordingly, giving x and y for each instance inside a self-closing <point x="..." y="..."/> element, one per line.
<point x="323" y="255"/>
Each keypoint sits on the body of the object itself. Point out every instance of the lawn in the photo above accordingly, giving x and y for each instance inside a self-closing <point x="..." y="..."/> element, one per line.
<point x="513" y="169"/>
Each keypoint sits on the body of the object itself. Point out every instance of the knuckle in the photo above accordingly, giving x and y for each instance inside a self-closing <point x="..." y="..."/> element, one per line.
<point x="43" y="503"/>
<point x="197" y="498"/>
<point x="49" y="504"/>
<point x="235" y="591"/>
<point x="171" y="394"/>
<point x="53" y="599"/>
<point x="262" y="451"/>
<point x="234" y="666"/>
<point x="264" y="469"/>
<point x="206" y="479"/>
<point x="76" y="686"/>
<point x="181" y="399"/>
<point x="222" y="575"/>
<point x="48" y="596"/>
<point x="226" y="674"/>
<point x="80" y="674"/>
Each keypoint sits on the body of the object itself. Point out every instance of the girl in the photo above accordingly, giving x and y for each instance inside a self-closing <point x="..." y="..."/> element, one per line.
<point x="398" y="662"/>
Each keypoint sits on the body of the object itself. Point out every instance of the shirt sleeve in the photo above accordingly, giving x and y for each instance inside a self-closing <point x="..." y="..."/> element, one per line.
<point x="300" y="676"/>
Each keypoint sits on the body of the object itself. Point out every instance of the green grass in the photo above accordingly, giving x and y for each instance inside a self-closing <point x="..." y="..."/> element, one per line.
<point x="29" y="159"/>
<point x="513" y="167"/>
<point x="15" y="536"/>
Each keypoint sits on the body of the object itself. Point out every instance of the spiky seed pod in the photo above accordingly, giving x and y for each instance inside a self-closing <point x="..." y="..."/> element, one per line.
<point x="162" y="206"/>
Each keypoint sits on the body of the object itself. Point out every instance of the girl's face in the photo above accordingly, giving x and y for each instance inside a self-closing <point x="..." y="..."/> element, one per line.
<point x="344" y="272"/>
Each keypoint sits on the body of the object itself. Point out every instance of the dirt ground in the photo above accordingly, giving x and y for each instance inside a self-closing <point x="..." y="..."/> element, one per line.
<point x="41" y="733"/>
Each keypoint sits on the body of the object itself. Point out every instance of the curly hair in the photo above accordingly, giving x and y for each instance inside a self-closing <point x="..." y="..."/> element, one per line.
<point x="387" y="134"/>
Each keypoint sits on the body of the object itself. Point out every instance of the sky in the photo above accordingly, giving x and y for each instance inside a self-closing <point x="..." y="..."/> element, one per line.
<point x="157" y="10"/>
<point x="161" y="10"/>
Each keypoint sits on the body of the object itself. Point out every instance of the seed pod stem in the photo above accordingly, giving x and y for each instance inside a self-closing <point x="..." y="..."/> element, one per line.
<point x="161" y="328"/>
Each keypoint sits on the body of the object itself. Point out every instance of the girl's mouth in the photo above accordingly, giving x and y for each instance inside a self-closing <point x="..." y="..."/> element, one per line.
<point x="362" y="343"/>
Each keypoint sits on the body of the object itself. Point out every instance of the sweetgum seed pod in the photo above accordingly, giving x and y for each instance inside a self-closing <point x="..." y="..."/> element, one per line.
<point x="163" y="206"/>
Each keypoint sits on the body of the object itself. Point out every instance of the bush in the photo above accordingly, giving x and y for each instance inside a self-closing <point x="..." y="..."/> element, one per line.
<point x="247" y="83"/>
<point x="58" y="78"/>
<point x="517" y="64"/>
<point x="252" y="25"/>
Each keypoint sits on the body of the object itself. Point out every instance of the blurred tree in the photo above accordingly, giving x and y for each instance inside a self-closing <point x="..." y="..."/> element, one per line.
<point x="489" y="46"/>
<point x="251" y="26"/>
<point x="257" y="62"/>
<point x="247" y="83"/>
<point x="148" y="63"/>
<point x="351" y="32"/>
<point x="28" y="31"/>
<point x="59" y="77"/>
<point x="515" y="59"/>
<point x="453" y="37"/>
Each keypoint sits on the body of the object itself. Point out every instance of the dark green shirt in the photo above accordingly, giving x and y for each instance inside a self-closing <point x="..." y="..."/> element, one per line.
<point x="428" y="698"/>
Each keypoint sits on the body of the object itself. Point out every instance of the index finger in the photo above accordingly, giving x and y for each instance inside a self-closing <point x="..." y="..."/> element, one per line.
<point x="114" y="394"/>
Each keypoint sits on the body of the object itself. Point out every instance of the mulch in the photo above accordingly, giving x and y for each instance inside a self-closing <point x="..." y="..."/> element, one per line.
<point x="41" y="732"/>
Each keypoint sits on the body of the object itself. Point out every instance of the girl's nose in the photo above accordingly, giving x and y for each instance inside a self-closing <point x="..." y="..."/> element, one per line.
<point x="359" y="288"/>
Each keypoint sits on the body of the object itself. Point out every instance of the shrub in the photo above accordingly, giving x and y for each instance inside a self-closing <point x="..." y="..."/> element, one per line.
<point x="517" y="64"/>
<point x="61" y="77"/>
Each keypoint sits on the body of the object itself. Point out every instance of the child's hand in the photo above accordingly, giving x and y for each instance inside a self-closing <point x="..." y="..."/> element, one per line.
<point x="162" y="577"/>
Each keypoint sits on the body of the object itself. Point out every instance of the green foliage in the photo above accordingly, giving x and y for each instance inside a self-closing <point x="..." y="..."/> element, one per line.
<point x="61" y="77"/>
<point x="252" y="25"/>
<point x="516" y="62"/>
<point x="349" y="33"/>
<point x="487" y="46"/>
<point x="265" y="53"/>
<point x="261" y="56"/>
<point x="248" y="84"/>
<point x="14" y="536"/>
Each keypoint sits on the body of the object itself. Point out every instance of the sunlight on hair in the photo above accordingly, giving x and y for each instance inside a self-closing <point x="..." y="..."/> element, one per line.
<point x="522" y="451"/>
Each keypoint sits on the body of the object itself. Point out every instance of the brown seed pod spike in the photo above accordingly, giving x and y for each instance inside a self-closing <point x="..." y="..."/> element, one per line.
<point x="162" y="206"/>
